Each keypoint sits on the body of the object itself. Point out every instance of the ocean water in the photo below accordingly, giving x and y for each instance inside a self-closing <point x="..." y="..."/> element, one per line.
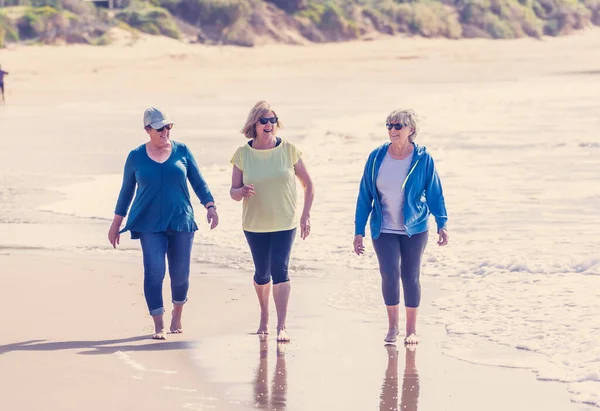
<point x="519" y="164"/>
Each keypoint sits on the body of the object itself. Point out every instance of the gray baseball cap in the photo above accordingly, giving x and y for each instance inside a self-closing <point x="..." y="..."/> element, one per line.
<point x="156" y="118"/>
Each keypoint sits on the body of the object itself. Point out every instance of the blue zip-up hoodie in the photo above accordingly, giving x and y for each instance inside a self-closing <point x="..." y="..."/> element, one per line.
<point x="422" y="194"/>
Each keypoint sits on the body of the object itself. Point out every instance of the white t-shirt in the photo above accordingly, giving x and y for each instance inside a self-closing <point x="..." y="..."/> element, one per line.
<point x="392" y="174"/>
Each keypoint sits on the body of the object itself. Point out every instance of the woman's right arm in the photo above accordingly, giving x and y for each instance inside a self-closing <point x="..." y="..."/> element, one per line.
<point x="364" y="206"/>
<point x="113" y="231"/>
<point x="364" y="202"/>
<point x="123" y="202"/>
<point x="238" y="190"/>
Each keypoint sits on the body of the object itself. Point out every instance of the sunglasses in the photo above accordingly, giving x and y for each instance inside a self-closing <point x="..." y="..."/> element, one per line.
<point x="265" y="120"/>
<point x="167" y="126"/>
<point x="397" y="126"/>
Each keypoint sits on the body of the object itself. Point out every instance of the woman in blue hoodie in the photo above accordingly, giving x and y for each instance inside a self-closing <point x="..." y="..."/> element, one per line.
<point x="399" y="190"/>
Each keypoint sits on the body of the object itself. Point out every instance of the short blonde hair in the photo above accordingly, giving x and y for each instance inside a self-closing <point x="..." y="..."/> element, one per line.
<point x="406" y="117"/>
<point x="260" y="109"/>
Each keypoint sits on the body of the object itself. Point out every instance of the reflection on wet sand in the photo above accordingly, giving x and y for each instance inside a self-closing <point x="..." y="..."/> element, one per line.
<point x="409" y="400"/>
<point x="276" y="401"/>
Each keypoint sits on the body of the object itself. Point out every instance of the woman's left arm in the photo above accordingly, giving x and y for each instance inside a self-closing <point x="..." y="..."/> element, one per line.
<point x="309" y="195"/>
<point x="201" y="189"/>
<point x="436" y="202"/>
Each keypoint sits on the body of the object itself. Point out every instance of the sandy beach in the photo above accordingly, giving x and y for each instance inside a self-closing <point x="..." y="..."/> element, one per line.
<point x="76" y="331"/>
<point x="81" y="340"/>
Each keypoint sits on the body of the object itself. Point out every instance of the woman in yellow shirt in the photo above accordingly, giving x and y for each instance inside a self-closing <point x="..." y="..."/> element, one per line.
<point x="263" y="176"/>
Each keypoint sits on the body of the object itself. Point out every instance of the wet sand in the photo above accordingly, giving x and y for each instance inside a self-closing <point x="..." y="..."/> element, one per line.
<point x="77" y="336"/>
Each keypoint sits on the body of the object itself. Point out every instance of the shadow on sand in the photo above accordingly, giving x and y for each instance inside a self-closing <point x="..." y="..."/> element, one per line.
<point x="96" y="347"/>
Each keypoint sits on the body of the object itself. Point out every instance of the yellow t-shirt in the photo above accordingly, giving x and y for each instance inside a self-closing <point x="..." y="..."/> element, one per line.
<point x="271" y="171"/>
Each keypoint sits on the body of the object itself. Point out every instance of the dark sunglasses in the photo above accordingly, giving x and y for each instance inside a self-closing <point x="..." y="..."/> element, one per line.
<point x="167" y="126"/>
<point x="265" y="120"/>
<point x="397" y="126"/>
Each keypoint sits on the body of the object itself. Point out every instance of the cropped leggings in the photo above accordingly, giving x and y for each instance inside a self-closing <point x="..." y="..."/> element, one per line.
<point x="399" y="258"/>
<point x="271" y="255"/>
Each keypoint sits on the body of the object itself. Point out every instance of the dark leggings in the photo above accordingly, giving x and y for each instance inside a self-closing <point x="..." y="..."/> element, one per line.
<point x="400" y="258"/>
<point x="271" y="255"/>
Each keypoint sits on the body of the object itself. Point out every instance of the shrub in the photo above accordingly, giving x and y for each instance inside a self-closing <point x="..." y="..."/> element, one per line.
<point x="290" y="6"/>
<point x="402" y="15"/>
<point x="217" y="13"/>
<point x="151" y="20"/>
<point x="313" y="12"/>
<point x="526" y="22"/>
<point x="567" y="16"/>
<point x="425" y="21"/>
<point x="431" y="19"/>
<point x="8" y="30"/>
<point x="497" y="28"/>
<point x="331" y="19"/>
<point x="45" y="24"/>
<point x="594" y="7"/>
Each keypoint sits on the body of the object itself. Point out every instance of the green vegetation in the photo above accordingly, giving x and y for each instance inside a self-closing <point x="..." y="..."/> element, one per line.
<point x="53" y="21"/>
<point x="8" y="30"/>
<point x="150" y="19"/>
<point x="250" y="22"/>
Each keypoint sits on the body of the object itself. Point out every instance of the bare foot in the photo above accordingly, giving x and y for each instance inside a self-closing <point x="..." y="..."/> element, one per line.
<point x="263" y="327"/>
<point x="160" y="335"/>
<point x="392" y="335"/>
<point x="282" y="335"/>
<point x="411" y="339"/>
<point x="176" y="325"/>
<point x="159" y="328"/>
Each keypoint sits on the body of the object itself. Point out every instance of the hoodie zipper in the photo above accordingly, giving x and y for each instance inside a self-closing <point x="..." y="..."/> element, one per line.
<point x="409" y="173"/>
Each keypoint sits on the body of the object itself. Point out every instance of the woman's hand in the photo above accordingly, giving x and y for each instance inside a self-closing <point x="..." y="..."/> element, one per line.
<point x="113" y="232"/>
<point x="113" y="235"/>
<point x="309" y="195"/>
<point x="443" y="237"/>
<point x="247" y="190"/>
<point x="359" y="248"/>
<point x="212" y="217"/>
<point x="239" y="190"/>
<point x="304" y="226"/>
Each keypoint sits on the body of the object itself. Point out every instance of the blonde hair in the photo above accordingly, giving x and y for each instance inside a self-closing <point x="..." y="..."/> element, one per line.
<point x="406" y="117"/>
<point x="260" y="109"/>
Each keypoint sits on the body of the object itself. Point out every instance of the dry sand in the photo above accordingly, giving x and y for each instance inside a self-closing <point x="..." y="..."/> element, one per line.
<point x="75" y="332"/>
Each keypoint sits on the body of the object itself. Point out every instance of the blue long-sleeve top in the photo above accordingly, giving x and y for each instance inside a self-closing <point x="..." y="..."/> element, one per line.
<point x="162" y="199"/>
<point x="423" y="194"/>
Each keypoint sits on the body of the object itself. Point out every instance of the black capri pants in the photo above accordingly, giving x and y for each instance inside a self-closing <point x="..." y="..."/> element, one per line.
<point x="271" y="254"/>
<point x="400" y="259"/>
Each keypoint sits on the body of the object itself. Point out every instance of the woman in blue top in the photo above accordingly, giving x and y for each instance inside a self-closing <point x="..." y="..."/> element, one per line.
<point x="162" y="216"/>
<point x="399" y="190"/>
